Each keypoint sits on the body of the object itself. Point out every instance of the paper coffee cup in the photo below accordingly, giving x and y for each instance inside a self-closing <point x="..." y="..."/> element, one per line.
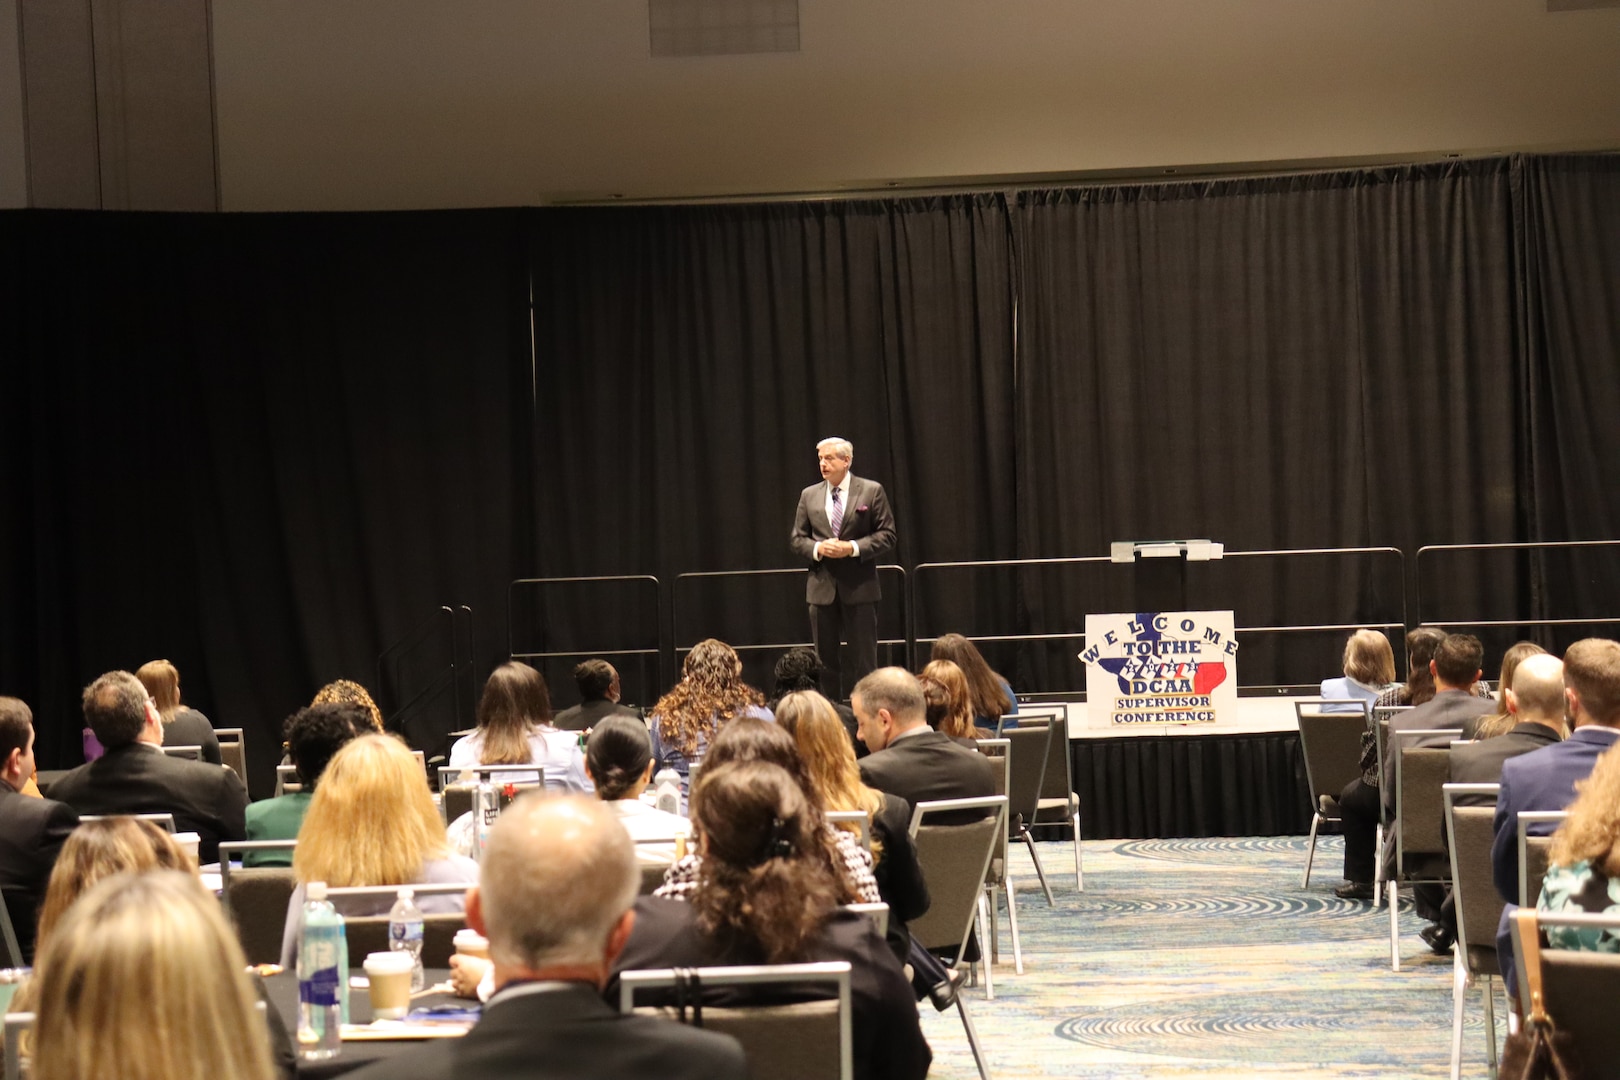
<point x="390" y="976"/>
<point x="472" y="943"/>
<point x="189" y="842"/>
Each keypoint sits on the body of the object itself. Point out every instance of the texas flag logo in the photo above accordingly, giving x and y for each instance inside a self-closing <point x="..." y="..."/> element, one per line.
<point x="1159" y="667"/>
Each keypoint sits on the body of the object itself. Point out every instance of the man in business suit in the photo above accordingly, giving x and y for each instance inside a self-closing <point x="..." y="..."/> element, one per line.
<point x="32" y="829"/>
<point x="554" y="898"/>
<point x="135" y="776"/>
<point x="598" y="684"/>
<point x="908" y="758"/>
<point x="843" y="528"/>
<point x="1536" y="702"/>
<point x="1546" y="778"/>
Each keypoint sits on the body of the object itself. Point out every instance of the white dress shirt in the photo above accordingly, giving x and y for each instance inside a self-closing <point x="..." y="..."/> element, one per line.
<point x="843" y="497"/>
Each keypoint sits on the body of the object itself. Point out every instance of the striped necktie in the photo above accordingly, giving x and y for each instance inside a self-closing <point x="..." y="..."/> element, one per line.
<point x="837" y="514"/>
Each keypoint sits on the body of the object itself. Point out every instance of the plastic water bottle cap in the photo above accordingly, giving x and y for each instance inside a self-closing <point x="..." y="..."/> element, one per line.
<point x="407" y="894"/>
<point x="315" y="890"/>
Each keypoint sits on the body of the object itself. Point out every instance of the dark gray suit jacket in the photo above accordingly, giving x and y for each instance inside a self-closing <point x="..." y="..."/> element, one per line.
<point x="587" y="714"/>
<point x="1456" y="710"/>
<point x="930" y="767"/>
<point x="1481" y="762"/>
<point x="568" y="1033"/>
<point x="31" y="835"/>
<point x="140" y="779"/>
<point x="867" y="521"/>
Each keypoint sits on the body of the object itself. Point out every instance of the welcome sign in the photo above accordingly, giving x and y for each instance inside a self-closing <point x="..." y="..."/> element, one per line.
<point x="1161" y="667"/>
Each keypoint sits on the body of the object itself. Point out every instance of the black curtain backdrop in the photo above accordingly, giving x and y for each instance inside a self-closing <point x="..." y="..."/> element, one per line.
<point x="267" y="447"/>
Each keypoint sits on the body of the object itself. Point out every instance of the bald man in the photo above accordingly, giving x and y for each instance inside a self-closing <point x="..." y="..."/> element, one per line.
<point x="1536" y="701"/>
<point x="554" y="898"/>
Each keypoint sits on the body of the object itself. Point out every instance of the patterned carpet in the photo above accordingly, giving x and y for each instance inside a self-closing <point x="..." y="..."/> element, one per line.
<point x="1204" y="958"/>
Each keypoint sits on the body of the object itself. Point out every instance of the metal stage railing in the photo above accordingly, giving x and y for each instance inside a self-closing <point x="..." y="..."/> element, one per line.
<point x="453" y="668"/>
<point x="1529" y="545"/>
<point x="681" y="646"/>
<point x="539" y="585"/>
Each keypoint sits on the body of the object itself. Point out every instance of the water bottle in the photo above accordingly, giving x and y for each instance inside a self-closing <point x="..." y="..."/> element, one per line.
<point x="667" y="785"/>
<point x="405" y="933"/>
<point x="322" y="974"/>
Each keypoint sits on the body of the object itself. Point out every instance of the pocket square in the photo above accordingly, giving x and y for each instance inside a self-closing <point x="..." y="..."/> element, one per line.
<point x="862" y="509"/>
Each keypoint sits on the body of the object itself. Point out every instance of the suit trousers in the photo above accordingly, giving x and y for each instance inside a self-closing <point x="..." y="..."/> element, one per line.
<point x="1359" y="822"/>
<point x="833" y="623"/>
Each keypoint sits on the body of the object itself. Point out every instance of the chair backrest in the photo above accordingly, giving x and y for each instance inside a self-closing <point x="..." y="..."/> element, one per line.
<point x="652" y="876"/>
<point x="954" y="860"/>
<point x="1420" y="774"/>
<point x="1471" y="830"/>
<point x="1535" y="828"/>
<point x="16" y="1025"/>
<point x="8" y="934"/>
<point x="1042" y="714"/>
<point x="1330" y="742"/>
<point x="163" y="821"/>
<point x="853" y="817"/>
<point x="257" y="900"/>
<point x="190" y="753"/>
<point x="1058" y="783"/>
<point x="1028" y="746"/>
<point x="233" y="751"/>
<point x="369" y="934"/>
<point x="999" y="751"/>
<point x="1578" y="987"/>
<point x="287" y="780"/>
<point x="230" y="848"/>
<point x="805" y="1041"/>
<point x="878" y="913"/>
<point x="1379" y="719"/>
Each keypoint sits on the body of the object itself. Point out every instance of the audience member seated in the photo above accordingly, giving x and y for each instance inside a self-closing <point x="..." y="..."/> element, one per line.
<point x="313" y="734"/>
<point x="990" y="694"/>
<point x="618" y="759"/>
<point x="143" y="979"/>
<point x="1359" y="801"/>
<point x="950" y="709"/>
<point x="514" y="728"/>
<point x="749" y="738"/>
<point x="1369" y="670"/>
<point x="554" y="895"/>
<point x="1501" y="720"/>
<point x="1545" y="779"/>
<point x="348" y="692"/>
<point x="98" y="850"/>
<point x="710" y="693"/>
<point x="908" y="758"/>
<point x="1534" y="696"/>
<point x="372" y="822"/>
<point x="134" y="776"/>
<point x="801" y="669"/>
<point x="1583" y="865"/>
<point x="181" y="726"/>
<point x="599" y="691"/>
<point x="766" y="895"/>
<point x="32" y="829"/>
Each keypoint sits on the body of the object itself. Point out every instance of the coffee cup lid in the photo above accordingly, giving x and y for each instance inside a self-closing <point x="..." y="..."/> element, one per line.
<point x="470" y="937"/>
<point x="386" y="962"/>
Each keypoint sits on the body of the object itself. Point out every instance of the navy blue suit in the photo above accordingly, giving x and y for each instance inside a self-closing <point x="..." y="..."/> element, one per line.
<point x="1541" y="780"/>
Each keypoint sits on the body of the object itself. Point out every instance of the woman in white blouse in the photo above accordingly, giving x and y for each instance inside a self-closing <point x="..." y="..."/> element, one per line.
<point x="514" y="728"/>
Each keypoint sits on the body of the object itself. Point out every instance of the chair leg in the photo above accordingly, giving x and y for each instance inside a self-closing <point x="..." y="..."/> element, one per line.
<point x="1012" y="923"/>
<point x="973" y="1038"/>
<point x="994" y="944"/>
<point x="1040" y="871"/>
<point x="1310" y="851"/>
<point x="1459" y="996"/>
<point x="989" y="967"/>
<point x="1378" y="867"/>
<point x="1394" y="927"/>
<point x="1490" y="1023"/>
<point x="1079" y="874"/>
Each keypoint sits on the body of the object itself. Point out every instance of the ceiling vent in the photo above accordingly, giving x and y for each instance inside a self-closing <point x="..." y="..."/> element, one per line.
<point x="722" y="27"/>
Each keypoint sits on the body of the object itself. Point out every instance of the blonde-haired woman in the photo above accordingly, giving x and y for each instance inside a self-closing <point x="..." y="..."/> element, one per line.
<point x="181" y="726"/>
<point x="952" y="716"/>
<point x="711" y="692"/>
<point x="144" y="980"/>
<point x="372" y="822"/>
<point x="830" y="763"/>
<point x="1583" y="872"/>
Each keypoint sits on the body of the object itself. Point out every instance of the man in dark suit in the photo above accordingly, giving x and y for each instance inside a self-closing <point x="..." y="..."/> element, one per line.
<point x="135" y="776"/>
<point x="31" y="829"/>
<point x="908" y="758"/>
<point x="1456" y="668"/>
<point x="843" y="528"/>
<point x="1546" y="779"/>
<point x="554" y="899"/>
<point x="598" y="684"/>
<point x="1536" y="702"/>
